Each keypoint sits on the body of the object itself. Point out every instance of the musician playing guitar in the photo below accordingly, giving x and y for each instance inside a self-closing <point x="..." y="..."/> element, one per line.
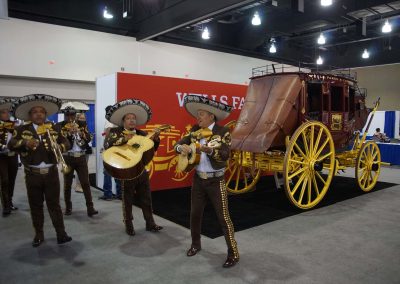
<point x="127" y="115"/>
<point x="208" y="182"/>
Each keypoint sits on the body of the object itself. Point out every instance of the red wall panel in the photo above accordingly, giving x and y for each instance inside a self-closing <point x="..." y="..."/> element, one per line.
<point x="165" y="97"/>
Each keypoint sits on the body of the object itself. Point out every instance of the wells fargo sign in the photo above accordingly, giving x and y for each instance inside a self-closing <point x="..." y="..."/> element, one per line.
<point x="165" y="97"/>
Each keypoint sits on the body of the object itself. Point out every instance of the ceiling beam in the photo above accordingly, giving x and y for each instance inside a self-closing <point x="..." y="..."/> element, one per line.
<point x="184" y="14"/>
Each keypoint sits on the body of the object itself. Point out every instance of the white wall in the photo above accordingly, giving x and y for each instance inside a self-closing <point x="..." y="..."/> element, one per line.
<point x="75" y="90"/>
<point x="381" y="81"/>
<point x="33" y="49"/>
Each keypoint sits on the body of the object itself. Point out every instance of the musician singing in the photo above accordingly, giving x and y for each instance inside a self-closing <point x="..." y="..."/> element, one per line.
<point x="208" y="181"/>
<point x="78" y="136"/>
<point x="8" y="159"/>
<point x="34" y="142"/>
<point x="127" y="115"/>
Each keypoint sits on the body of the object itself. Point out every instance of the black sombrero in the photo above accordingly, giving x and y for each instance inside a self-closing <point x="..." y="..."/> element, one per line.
<point x="115" y="113"/>
<point x="195" y="103"/>
<point x="23" y="105"/>
<point x="6" y="103"/>
<point x="74" y="107"/>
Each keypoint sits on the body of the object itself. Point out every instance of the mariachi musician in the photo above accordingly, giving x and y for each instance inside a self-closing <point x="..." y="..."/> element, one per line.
<point x="40" y="147"/>
<point x="208" y="181"/>
<point x="127" y="115"/>
<point x="8" y="159"/>
<point x="79" y="137"/>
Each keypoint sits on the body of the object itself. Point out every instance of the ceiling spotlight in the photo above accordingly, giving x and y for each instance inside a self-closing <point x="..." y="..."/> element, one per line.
<point x="106" y="14"/>
<point x="272" y="49"/>
<point x="321" y="39"/>
<point x="205" y="34"/>
<point x="365" y="54"/>
<point x="320" y="61"/>
<point x="326" y="3"/>
<point x="256" y="21"/>
<point x="386" y="28"/>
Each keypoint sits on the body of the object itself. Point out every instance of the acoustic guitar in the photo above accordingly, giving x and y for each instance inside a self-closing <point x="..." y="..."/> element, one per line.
<point x="187" y="162"/>
<point x="128" y="161"/>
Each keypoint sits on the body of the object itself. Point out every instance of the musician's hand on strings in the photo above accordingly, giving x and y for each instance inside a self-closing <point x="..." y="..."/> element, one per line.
<point x="128" y="136"/>
<point x="206" y="149"/>
<point x="32" y="144"/>
<point x="185" y="149"/>
<point x="156" y="135"/>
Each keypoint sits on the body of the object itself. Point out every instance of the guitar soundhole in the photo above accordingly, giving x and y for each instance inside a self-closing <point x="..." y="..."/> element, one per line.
<point x="136" y="146"/>
<point x="122" y="156"/>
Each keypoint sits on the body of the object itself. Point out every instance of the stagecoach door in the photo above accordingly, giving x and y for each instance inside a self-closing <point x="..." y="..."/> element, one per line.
<point x="335" y="105"/>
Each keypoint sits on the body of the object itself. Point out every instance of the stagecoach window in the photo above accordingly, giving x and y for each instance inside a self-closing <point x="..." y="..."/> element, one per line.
<point x="337" y="98"/>
<point x="351" y="101"/>
<point x="314" y="94"/>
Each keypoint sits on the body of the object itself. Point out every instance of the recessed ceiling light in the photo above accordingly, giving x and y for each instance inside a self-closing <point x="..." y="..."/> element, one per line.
<point x="365" y="54"/>
<point x="320" y="61"/>
<point x="205" y="34"/>
<point x="256" y="21"/>
<point x="106" y="14"/>
<point x="386" y="28"/>
<point x="321" y="40"/>
<point x="326" y="3"/>
<point x="272" y="49"/>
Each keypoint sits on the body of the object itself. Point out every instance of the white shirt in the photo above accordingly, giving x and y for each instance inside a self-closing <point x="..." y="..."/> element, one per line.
<point x="205" y="164"/>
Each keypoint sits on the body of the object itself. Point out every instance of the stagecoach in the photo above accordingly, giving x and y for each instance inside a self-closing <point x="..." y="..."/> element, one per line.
<point x="306" y="127"/>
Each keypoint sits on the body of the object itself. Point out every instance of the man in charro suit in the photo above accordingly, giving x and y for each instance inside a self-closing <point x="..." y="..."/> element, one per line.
<point x="78" y="136"/>
<point x="208" y="181"/>
<point x="127" y="115"/>
<point x="33" y="143"/>
<point x="8" y="159"/>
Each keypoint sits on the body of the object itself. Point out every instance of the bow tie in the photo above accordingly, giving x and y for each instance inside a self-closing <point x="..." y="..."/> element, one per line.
<point x="42" y="129"/>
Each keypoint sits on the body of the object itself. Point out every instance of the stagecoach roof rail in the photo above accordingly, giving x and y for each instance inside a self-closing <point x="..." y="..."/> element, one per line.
<point x="276" y="68"/>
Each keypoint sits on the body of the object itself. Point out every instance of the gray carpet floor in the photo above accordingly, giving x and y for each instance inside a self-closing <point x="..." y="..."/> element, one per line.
<point x="354" y="241"/>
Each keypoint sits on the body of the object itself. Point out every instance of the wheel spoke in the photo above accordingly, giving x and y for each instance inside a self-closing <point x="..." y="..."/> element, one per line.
<point x="297" y="161"/>
<point x="296" y="173"/>
<point x="317" y="141"/>
<point x="303" y="188"/>
<point x="305" y="143"/>
<point x="298" y="149"/>
<point x="319" y="176"/>
<point x="232" y="173"/>
<point x="244" y="177"/>
<point x="309" y="190"/>
<point x="322" y="148"/>
<point x="312" y="140"/>
<point x="238" y="178"/>
<point x="298" y="184"/>
<point x="324" y="157"/>
<point x="315" y="185"/>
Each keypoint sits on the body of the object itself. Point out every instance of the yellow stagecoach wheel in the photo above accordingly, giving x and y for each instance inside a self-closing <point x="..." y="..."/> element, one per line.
<point x="239" y="176"/>
<point x="309" y="164"/>
<point x="368" y="166"/>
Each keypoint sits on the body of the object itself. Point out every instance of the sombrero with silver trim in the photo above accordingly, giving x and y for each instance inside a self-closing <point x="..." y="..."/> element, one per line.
<point x="74" y="107"/>
<point x="115" y="113"/>
<point x="23" y="105"/>
<point x="6" y="103"/>
<point x="194" y="103"/>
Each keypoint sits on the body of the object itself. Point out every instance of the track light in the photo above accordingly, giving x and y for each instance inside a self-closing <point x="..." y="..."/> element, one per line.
<point x="256" y="21"/>
<point x="326" y="3"/>
<point x="205" y="34"/>
<point x="365" y="54"/>
<point x="320" y="61"/>
<point x="321" y="39"/>
<point x="386" y="28"/>
<point x="272" y="49"/>
<point x="106" y="14"/>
